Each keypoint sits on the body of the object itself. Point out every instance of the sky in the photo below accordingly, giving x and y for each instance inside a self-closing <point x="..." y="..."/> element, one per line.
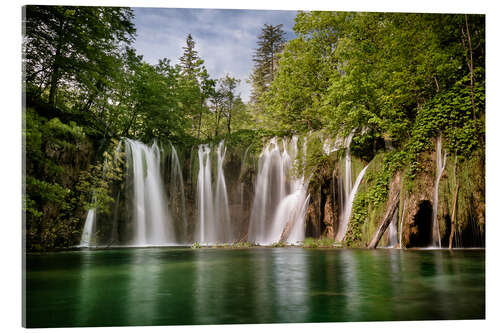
<point x="225" y="39"/>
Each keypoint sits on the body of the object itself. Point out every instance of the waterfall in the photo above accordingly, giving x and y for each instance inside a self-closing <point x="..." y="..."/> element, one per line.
<point x="206" y="221"/>
<point x="347" y="191"/>
<point x="393" y="231"/>
<point x="155" y="208"/>
<point x="348" y="167"/>
<point x="265" y="199"/>
<point x="330" y="146"/>
<point x="221" y="203"/>
<point x="152" y="220"/>
<point x="177" y="196"/>
<point x="280" y="200"/>
<point x="88" y="229"/>
<point x="346" y="212"/>
<point x="440" y="166"/>
<point x="213" y="212"/>
<point x="150" y="206"/>
<point x="401" y="226"/>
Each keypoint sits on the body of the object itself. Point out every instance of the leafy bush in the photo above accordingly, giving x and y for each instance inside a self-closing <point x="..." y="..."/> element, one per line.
<point x="320" y="243"/>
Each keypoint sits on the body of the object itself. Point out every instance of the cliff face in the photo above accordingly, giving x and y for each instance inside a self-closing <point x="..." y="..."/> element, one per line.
<point x="469" y="207"/>
<point x="417" y="201"/>
<point x="322" y="219"/>
<point x="415" y="208"/>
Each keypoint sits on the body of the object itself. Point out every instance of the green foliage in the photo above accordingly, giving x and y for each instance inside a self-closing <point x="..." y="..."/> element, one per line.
<point x="73" y="46"/>
<point x="51" y="202"/>
<point x="378" y="176"/>
<point x="242" y="245"/>
<point x="61" y="184"/>
<point x="95" y="184"/>
<point x="379" y="71"/>
<point x="315" y="159"/>
<point x="450" y="113"/>
<point x="196" y="245"/>
<point x="320" y="243"/>
<point x="42" y="191"/>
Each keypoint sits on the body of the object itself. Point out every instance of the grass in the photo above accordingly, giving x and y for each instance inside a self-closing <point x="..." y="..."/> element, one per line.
<point x="242" y="245"/>
<point x="196" y="245"/>
<point x="308" y="243"/>
<point x="320" y="243"/>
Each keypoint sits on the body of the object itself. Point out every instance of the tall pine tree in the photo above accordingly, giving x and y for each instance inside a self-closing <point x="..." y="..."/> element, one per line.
<point x="271" y="42"/>
<point x="198" y="81"/>
<point x="190" y="61"/>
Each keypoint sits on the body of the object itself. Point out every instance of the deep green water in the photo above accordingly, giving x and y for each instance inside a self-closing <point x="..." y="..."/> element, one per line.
<point x="165" y="286"/>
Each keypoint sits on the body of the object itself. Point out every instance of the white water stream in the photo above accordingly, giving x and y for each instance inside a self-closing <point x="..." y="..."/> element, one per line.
<point x="281" y="199"/>
<point x="440" y="166"/>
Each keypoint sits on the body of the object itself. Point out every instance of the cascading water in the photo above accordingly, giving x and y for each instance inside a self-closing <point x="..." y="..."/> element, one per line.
<point x="152" y="220"/>
<point x="88" y="229"/>
<point x="281" y="200"/>
<point x="348" y="165"/>
<point x="221" y="201"/>
<point x="393" y="231"/>
<point x="346" y="211"/>
<point x="347" y="191"/>
<point x="440" y="166"/>
<point x="330" y="146"/>
<point x="177" y="196"/>
<point x="206" y="225"/>
<point x="213" y="212"/>
<point x="401" y="226"/>
<point x="152" y="210"/>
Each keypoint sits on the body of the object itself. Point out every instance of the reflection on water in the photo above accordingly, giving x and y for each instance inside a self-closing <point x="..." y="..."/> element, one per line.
<point x="143" y="288"/>
<point x="289" y="276"/>
<point x="161" y="286"/>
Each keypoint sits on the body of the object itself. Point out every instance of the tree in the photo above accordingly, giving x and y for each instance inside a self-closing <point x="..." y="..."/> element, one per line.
<point x="72" y="45"/>
<point x="217" y="99"/>
<point x="270" y="42"/>
<point x="228" y="86"/>
<point x="190" y="61"/>
<point x="197" y="81"/>
<point x="207" y="89"/>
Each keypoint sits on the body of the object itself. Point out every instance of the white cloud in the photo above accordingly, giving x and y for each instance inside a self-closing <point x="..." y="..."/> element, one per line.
<point x="225" y="39"/>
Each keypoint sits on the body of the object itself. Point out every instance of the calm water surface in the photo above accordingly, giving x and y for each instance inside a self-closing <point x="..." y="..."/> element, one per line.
<point x="172" y="286"/>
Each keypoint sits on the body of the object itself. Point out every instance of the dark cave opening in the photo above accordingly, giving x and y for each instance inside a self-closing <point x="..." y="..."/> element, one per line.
<point x="421" y="232"/>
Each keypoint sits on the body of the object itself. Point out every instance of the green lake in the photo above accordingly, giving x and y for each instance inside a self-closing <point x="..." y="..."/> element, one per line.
<point x="179" y="286"/>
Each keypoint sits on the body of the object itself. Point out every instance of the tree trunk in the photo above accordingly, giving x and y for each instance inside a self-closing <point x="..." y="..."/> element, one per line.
<point x="470" y="64"/>
<point x="286" y="231"/>
<point x="229" y="119"/>
<point x="217" y="118"/>
<point x="53" y="83"/>
<point x="385" y="222"/>
<point x="54" y="79"/>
